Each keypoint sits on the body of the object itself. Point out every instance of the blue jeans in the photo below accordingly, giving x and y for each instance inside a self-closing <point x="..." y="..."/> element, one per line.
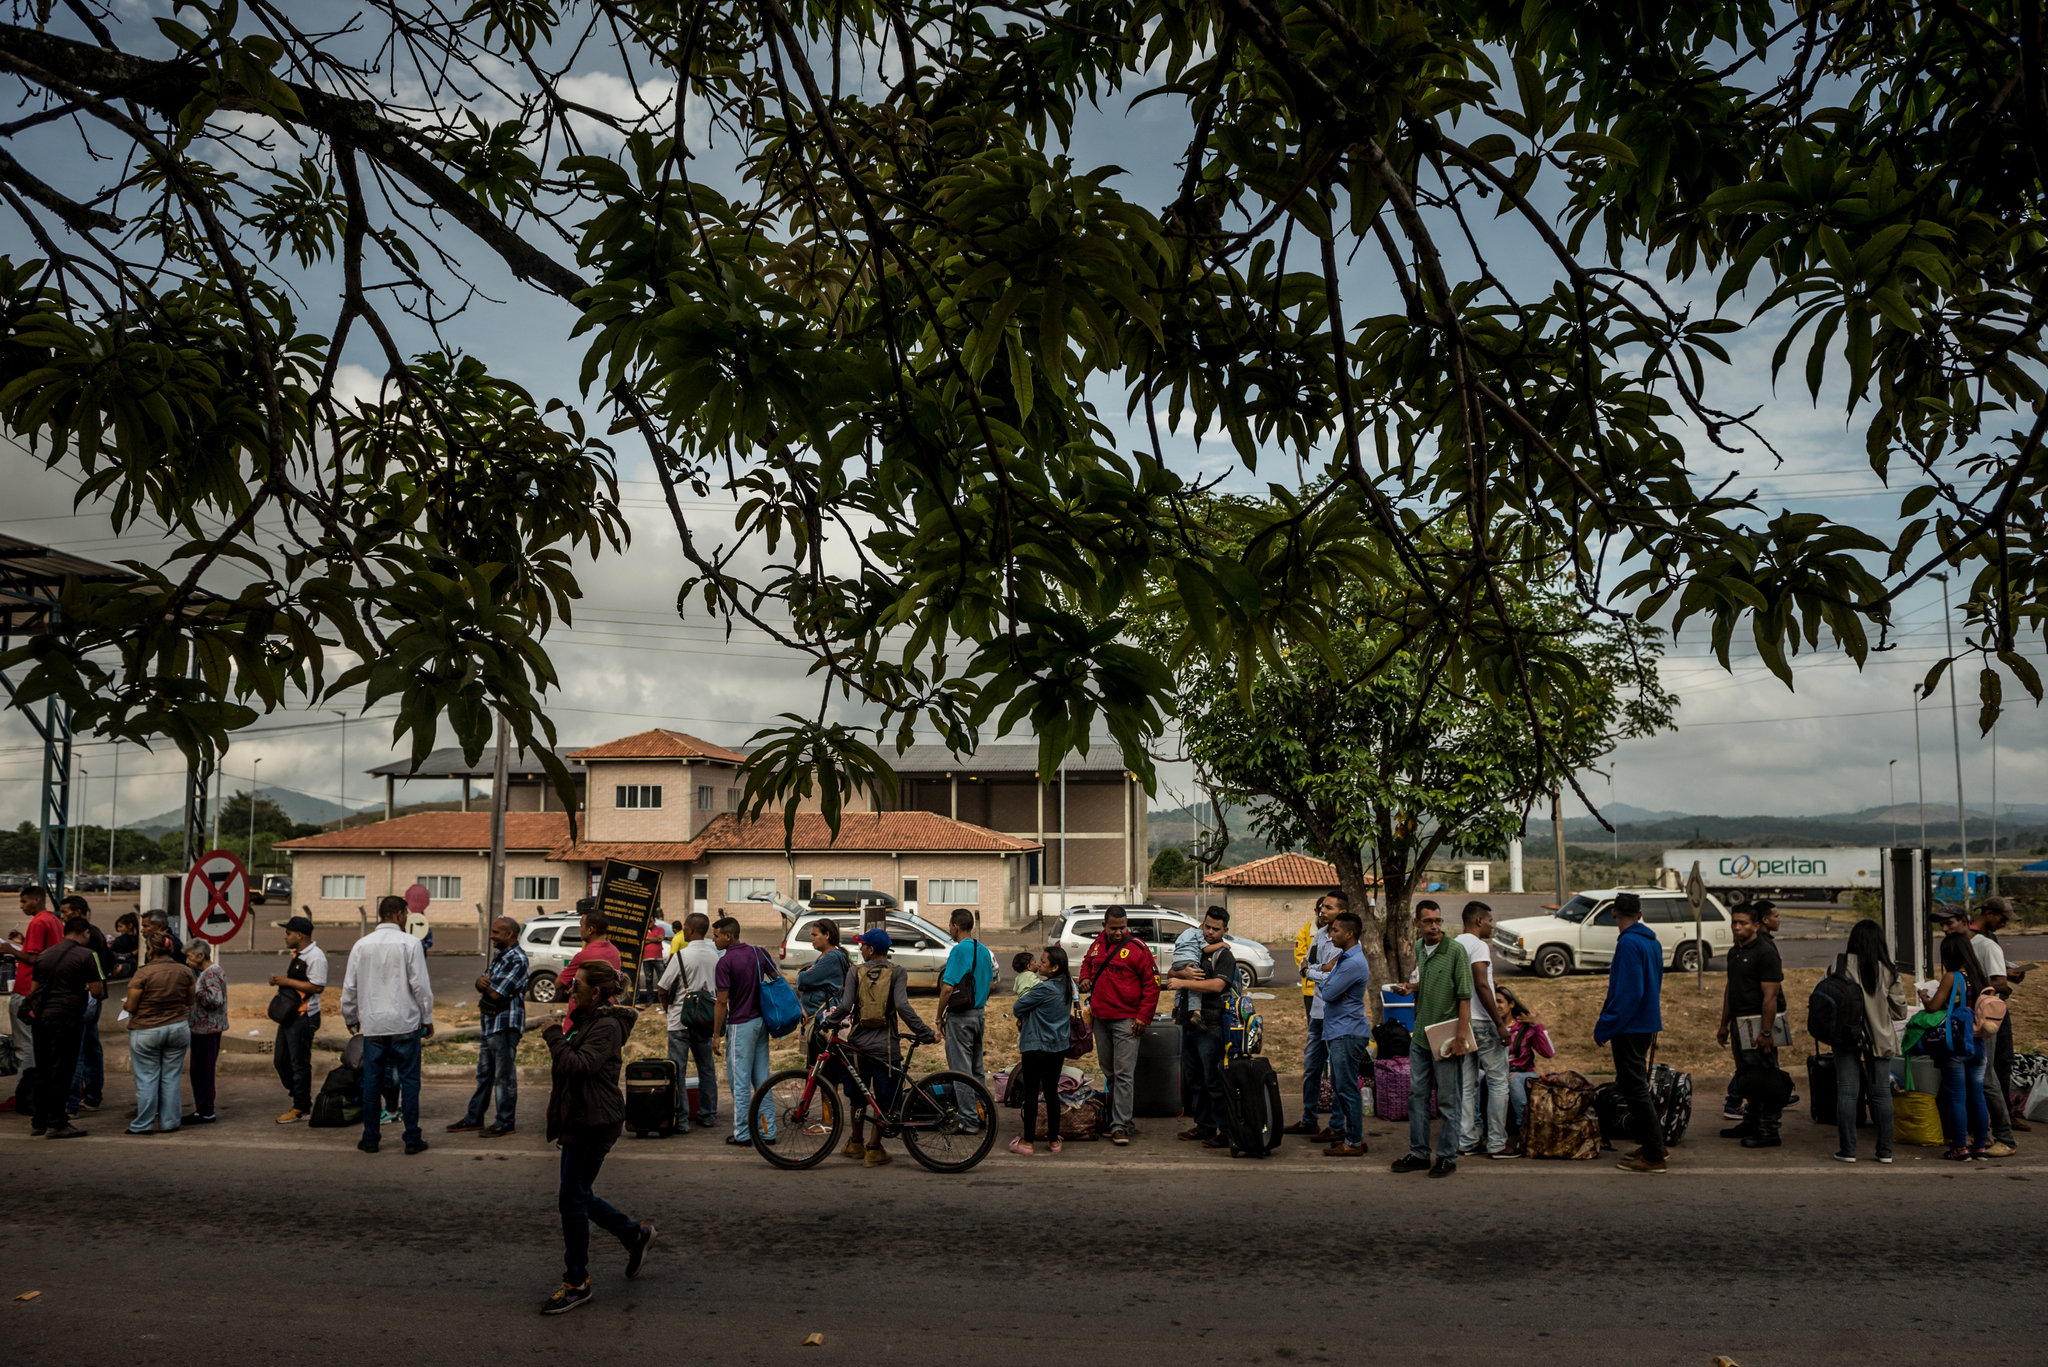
<point x="746" y="1063"/>
<point x="1315" y="1056"/>
<point x="580" y="1205"/>
<point x="496" y="1070"/>
<point x="1425" y="1070"/>
<point x="1850" y="1083"/>
<point x="1964" y="1114"/>
<point x="1518" y="1102"/>
<point x="1201" y="1061"/>
<point x="158" y="1057"/>
<point x="1347" y="1114"/>
<point x="89" y="1078"/>
<point x="399" y="1055"/>
<point x="1483" y="1083"/>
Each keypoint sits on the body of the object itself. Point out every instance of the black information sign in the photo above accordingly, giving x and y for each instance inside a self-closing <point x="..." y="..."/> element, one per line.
<point x="628" y="896"/>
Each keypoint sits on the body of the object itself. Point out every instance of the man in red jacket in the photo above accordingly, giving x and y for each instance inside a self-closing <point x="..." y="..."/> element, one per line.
<point x="1123" y="986"/>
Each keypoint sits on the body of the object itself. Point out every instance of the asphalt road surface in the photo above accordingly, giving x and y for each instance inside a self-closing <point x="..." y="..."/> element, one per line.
<point x="248" y="1243"/>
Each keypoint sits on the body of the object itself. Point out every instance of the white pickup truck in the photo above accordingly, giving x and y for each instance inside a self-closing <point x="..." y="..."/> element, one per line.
<point x="1818" y="875"/>
<point x="1581" y="933"/>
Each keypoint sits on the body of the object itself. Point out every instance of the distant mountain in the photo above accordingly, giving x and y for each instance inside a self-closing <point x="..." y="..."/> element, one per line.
<point x="2021" y="823"/>
<point x="303" y="807"/>
<point x="1176" y="826"/>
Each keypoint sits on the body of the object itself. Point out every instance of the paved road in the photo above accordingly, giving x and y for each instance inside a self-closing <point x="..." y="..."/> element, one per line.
<point x="253" y="1237"/>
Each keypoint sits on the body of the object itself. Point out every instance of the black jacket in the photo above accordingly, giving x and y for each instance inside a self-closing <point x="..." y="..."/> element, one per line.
<point x="585" y="1102"/>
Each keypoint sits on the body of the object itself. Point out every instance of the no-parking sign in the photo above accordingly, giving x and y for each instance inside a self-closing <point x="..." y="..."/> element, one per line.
<point x="216" y="897"/>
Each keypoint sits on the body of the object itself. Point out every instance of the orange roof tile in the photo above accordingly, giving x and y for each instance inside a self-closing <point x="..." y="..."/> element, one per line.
<point x="1288" y="870"/>
<point x="922" y="831"/>
<point x="635" y="851"/>
<point x="442" y="831"/>
<point x="659" y="744"/>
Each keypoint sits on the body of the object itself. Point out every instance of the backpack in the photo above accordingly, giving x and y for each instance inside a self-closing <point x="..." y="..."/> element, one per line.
<point x="1390" y="1039"/>
<point x="340" y="1102"/>
<point x="1834" y="1013"/>
<point x="1253" y="1117"/>
<point x="874" y="990"/>
<point x="1560" y="1120"/>
<point x="1956" y="1036"/>
<point x="1243" y="1027"/>
<point x="697" y="1012"/>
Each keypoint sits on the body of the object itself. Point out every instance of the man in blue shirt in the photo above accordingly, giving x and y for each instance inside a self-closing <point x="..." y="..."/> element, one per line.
<point x="1631" y="1019"/>
<point x="963" y="994"/>
<point x="501" y="995"/>
<point x="1345" y="1032"/>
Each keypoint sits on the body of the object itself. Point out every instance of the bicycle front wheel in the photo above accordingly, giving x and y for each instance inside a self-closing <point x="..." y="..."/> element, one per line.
<point x="791" y="1130"/>
<point x="949" y="1121"/>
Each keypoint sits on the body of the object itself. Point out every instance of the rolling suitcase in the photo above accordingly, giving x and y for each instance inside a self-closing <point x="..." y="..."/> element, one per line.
<point x="1251" y="1107"/>
<point x="1155" y="1082"/>
<point x="651" y="1096"/>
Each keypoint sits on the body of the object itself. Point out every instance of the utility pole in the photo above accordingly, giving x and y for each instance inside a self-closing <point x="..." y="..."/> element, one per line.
<point x="1557" y="835"/>
<point x="253" y="764"/>
<point x="1920" y="766"/>
<point x="1891" y="779"/>
<point x="500" y="781"/>
<point x="1955" y="726"/>
<point x="113" y="815"/>
<point x="342" y="788"/>
<point x="1994" y="808"/>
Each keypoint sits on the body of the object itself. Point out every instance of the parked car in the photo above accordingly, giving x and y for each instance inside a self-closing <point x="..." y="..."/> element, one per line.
<point x="1581" y="933"/>
<point x="550" y="942"/>
<point x="915" y="943"/>
<point x="1159" y="927"/>
<point x="277" y="886"/>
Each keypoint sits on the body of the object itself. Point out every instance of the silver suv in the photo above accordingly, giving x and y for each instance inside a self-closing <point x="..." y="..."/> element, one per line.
<point x="550" y="942"/>
<point x="1159" y="927"/>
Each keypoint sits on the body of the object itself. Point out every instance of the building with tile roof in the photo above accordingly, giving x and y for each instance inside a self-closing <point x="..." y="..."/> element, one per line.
<point x="1270" y="898"/>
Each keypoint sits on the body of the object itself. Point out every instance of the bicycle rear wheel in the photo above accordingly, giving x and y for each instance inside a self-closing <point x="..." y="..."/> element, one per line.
<point x="789" y="1131"/>
<point x="949" y="1121"/>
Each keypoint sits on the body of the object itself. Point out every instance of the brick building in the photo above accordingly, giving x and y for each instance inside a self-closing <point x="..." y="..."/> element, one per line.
<point x="1269" y="898"/>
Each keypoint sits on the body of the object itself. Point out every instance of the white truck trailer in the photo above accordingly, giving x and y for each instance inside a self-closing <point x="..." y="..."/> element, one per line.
<point x="1783" y="875"/>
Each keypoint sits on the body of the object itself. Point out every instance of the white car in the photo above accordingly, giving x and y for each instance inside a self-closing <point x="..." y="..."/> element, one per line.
<point x="915" y="943"/>
<point x="1581" y="933"/>
<point x="1159" y="927"/>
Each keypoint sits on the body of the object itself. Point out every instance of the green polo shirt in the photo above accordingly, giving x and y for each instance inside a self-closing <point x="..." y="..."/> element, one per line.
<point x="1444" y="979"/>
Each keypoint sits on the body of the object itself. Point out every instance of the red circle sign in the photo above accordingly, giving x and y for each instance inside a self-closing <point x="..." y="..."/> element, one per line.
<point x="215" y="895"/>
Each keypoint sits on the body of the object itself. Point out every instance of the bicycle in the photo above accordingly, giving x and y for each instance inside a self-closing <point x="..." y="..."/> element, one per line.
<point x="946" y="1119"/>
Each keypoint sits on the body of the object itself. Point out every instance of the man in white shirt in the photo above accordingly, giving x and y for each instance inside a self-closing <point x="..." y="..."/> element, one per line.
<point x="1485" y="1069"/>
<point x="691" y="973"/>
<point x="385" y="997"/>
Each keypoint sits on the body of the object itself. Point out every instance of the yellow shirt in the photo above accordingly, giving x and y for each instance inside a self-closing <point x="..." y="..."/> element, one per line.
<point x="1301" y="939"/>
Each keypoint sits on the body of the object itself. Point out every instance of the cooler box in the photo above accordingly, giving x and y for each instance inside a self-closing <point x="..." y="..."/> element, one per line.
<point x="1395" y="1007"/>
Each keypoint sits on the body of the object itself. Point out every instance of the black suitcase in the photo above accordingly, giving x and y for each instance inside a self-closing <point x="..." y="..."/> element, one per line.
<point x="1820" y="1090"/>
<point x="1612" y="1114"/>
<point x="1251" y="1107"/>
<point x="1155" y="1083"/>
<point x="651" y="1096"/>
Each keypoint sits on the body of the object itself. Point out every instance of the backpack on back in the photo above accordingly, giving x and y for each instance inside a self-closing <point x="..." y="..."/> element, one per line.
<point x="1834" y="1013"/>
<point x="874" y="984"/>
<point x="1243" y="1027"/>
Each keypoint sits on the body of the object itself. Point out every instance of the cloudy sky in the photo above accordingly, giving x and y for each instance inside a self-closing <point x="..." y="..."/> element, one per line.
<point x="1745" y="743"/>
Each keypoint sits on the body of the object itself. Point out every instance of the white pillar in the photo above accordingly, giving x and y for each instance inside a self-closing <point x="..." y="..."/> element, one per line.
<point x="1515" y="864"/>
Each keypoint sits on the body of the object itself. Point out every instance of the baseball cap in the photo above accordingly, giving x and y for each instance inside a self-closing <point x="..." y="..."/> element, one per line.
<point x="302" y="924"/>
<point x="1944" y="912"/>
<point x="875" y="938"/>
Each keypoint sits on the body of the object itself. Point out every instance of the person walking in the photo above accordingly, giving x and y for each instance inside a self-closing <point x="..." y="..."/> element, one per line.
<point x="1965" y="1118"/>
<point x="1201" y="988"/>
<point x="89" y="1079"/>
<point x="1121" y="980"/>
<point x="1630" y="1020"/>
<point x="1346" y="1033"/>
<point x="2000" y="975"/>
<point x="689" y="985"/>
<point x="292" y="1051"/>
<point x="818" y="986"/>
<point x="1312" y="955"/>
<point x="1755" y="987"/>
<point x="44" y="931"/>
<point x="387" y="998"/>
<point x="68" y="976"/>
<point x="159" y="1010"/>
<point x="1044" y="1013"/>
<point x="585" y="1115"/>
<point x="207" y="1021"/>
<point x="876" y="996"/>
<point x="964" y="985"/>
<point x="1483" y="1090"/>
<point x="1441" y="984"/>
<point x="501" y="1024"/>
<point x="736" y="1025"/>
<point x="1868" y="963"/>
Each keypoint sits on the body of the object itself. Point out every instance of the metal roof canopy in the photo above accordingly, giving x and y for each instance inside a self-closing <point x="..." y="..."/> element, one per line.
<point x="1007" y="760"/>
<point x="32" y="578"/>
<point x="447" y="762"/>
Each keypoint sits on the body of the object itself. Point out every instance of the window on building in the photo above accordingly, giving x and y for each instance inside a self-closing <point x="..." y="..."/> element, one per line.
<point x="537" y="889"/>
<point x="849" y="884"/>
<point x="732" y="799"/>
<point x="803" y="888"/>
<point x="441" y="887"/>
<point x="965" y="891"/>
<point x="638" y="795"/>
<point x="704" y="794"/>
<point x="745" y="889"/>
<point x="338" y="885"/>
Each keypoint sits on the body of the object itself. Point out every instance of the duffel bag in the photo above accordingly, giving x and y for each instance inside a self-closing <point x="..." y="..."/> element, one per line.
<point x="1560" y="1120"/>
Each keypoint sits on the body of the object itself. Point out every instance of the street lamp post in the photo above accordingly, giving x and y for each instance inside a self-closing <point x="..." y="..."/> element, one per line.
<point x="253" y="766"/>
<point x="1955" y="727"/>
<point x="342" y="824"/>
<point x="1920" y="766"/>
<point x="1891" y="779"/>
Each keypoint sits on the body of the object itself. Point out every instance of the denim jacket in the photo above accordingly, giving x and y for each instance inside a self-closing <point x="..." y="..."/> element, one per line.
<point x="1043" y="1016"/>
<point x="817" y="987"/>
